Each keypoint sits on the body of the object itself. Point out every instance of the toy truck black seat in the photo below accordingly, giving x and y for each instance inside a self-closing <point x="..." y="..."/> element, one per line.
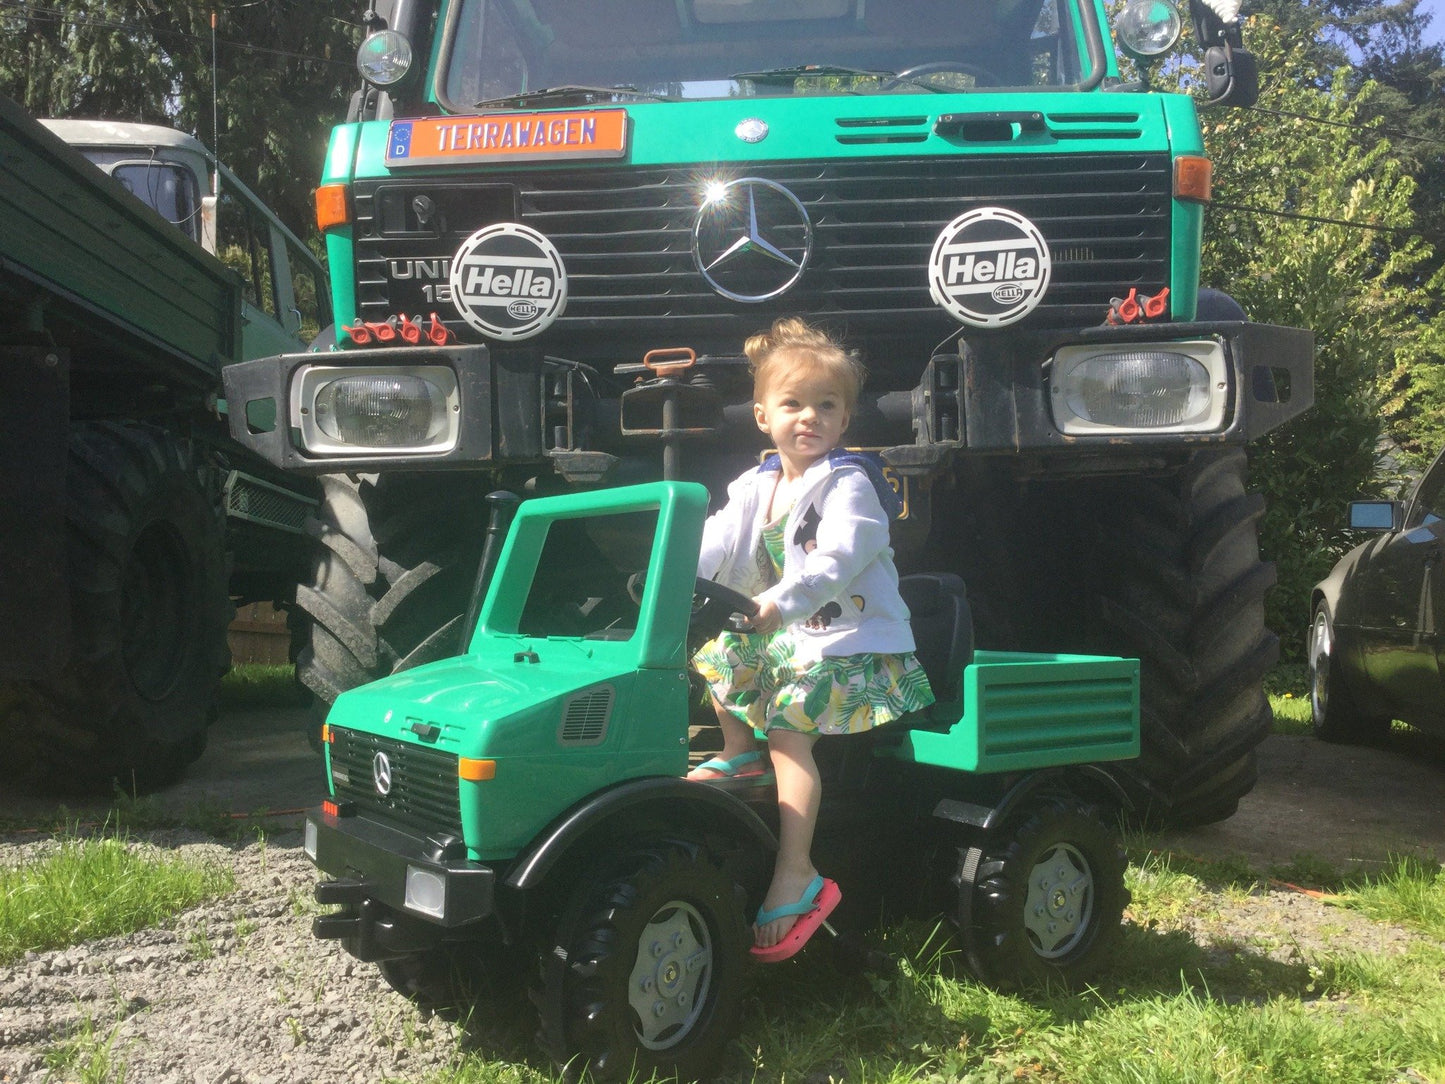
<point x="942" y="629"/>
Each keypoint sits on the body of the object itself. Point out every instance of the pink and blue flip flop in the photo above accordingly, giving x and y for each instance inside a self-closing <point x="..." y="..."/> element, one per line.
<point x="815" y="905"/>
<point x="743" y="766"/>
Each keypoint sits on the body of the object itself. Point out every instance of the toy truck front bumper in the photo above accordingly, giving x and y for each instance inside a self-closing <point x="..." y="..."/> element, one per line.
<point x="398" y="893"/>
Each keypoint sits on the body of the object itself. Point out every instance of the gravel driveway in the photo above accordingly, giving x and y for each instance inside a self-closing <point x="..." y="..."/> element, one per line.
<point x="238" y="992"/>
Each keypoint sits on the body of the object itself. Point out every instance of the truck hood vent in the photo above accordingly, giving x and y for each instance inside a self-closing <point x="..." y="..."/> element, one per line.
<point x="1094" y="125"/>
<point x="858" y="130"/>
<point x="585" y="717"/>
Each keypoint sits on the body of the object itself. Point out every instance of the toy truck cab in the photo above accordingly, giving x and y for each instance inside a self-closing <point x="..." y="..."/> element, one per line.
<point x="526" y="798"/>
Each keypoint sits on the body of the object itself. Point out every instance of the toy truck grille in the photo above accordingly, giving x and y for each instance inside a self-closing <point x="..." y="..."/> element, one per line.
<point x="420" y="783"/>
<point x="626" y="238"/>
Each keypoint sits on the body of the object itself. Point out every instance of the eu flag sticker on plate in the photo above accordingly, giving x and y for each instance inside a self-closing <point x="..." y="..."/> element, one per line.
<point x="400" y="140"/>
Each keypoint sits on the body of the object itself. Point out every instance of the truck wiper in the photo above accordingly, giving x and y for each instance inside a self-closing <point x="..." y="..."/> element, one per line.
<point x="586" y="94"/>
<point x="800" y="71"/>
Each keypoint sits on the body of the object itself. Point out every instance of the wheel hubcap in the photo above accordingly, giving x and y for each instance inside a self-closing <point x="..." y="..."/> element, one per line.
<point x="1060" y="901"/>
<point x="669" y="982"/>
<point x="1320" y="664"/>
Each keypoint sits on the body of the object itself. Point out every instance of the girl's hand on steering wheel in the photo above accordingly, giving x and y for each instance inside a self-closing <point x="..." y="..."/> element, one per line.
<point x="767" y="619"/>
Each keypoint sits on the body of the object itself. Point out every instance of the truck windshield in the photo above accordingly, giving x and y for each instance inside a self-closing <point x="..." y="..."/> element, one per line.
<point x="530" y="53"/>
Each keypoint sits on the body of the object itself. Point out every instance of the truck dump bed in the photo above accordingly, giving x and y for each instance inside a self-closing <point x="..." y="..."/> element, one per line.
<point x="135" y="292"/>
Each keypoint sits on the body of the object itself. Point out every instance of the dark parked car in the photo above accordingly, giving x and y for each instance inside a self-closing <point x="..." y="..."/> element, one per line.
<point x="1375" y="641"/>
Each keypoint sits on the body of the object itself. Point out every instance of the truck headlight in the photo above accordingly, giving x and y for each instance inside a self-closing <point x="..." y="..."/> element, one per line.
<point x="1146" y="28"/>
<point x="384" y="58"/>
<point x="356" y="409"/>
<point x="426" y="892"/>
<point x="1154" y="388"/>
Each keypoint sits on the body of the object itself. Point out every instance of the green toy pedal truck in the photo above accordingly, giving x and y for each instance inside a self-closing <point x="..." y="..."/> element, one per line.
<point x="516" y="818"/>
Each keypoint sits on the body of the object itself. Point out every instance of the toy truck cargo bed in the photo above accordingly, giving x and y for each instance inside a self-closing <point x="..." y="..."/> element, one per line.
<point x="1024" y="710"/>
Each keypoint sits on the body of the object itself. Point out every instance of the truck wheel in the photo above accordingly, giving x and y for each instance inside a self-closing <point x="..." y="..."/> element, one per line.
<point x="479" y="986"/>
<point x="149" y="610"/>
<point x="1333" y="711"/>
<point x="647" y="976"/>
<point x="1048" y="898"/>
<point x="1182" y="589"/>
<point x="395" y="565"/>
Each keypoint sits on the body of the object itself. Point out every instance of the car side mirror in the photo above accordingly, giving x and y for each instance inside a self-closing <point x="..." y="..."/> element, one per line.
<point x="1376" y="515"/>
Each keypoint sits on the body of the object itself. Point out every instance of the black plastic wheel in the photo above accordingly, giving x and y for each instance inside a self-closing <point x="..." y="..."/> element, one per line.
<point x="1334" y="713"/>
<point x="478" y="985"/>
<point x="1048" y="898"/>
<point x="149" y="610"/>
<point x="646" y="975"/>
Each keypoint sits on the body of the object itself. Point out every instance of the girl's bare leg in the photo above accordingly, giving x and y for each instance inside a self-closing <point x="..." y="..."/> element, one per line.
<point x="800" y="790"/>
<point x="738" y="736"/>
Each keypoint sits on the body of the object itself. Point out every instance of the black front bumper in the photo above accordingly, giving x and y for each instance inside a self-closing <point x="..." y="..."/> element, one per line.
<point x="370" y="862"/>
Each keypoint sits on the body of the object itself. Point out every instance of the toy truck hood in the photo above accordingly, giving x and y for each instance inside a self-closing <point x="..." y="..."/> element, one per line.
<point x="452" y="699"/>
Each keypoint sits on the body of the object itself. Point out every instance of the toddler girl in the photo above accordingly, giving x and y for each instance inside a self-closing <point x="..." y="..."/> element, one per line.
<point x="831" y="649"/>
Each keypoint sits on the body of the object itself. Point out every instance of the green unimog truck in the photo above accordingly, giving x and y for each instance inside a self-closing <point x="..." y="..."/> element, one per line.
<point x="133" y="266"/>
<point x="531" y="198"/>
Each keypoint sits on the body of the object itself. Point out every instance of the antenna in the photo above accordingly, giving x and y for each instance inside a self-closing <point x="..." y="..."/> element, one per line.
<point x="215" y="121"/>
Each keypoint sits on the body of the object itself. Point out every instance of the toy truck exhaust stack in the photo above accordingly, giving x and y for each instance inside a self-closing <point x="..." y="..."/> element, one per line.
<point x="966" y="190"/>
<point x="519" y="810"/>
<point x="130" y="521"/>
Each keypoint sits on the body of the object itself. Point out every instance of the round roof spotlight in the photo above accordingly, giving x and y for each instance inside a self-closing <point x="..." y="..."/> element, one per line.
<point x="384" y="58"/>
<point x="1147" y="28"/>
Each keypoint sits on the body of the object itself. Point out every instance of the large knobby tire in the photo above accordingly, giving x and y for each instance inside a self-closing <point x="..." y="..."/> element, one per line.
<point x="149" y="611"/>
<point x="1180" y="586"/>
<point x="1048" y="898"/>
<point x="396" y="561"/>
<point x="1334" y="712"/>
<point x="646" y="973"/>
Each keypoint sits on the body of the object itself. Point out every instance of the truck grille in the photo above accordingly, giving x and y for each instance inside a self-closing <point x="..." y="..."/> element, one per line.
<point x="626" y="237"/>
<point x="424" y="792"/>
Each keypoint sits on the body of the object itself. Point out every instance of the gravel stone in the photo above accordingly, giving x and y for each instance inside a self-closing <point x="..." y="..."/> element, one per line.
<point x="235" y="991"/>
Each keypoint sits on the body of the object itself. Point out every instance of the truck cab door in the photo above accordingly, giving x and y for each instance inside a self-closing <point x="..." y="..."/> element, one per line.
<point x="1402" y="599"/>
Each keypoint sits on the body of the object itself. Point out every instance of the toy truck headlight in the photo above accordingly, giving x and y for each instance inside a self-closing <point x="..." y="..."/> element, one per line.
<point x="355" y="409"/>
<point x="426" y="892"/>
<point x="1155" y="388"/>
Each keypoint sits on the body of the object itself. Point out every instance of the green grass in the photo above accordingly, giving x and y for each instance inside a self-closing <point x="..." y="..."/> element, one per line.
<point x="253" y="685"/>
<point x="1171" y="1010"/>
<point x="88" y="888"/>
<point x="1410" y="892"/>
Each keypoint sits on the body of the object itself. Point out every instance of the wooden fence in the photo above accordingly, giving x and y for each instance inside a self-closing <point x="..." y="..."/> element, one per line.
<point x="259" y="635"/>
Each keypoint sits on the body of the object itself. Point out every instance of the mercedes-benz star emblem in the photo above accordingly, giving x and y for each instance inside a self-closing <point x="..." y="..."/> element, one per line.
<point x="751" y="239"/>
<point x="381" y="774"/>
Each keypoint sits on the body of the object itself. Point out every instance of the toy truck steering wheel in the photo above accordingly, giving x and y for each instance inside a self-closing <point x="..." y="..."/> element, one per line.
<point x="718" y="606"/>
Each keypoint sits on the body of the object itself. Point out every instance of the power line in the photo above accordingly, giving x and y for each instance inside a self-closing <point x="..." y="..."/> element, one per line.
<point x="1322" y="220"/>
<point x="1380" y="128"/>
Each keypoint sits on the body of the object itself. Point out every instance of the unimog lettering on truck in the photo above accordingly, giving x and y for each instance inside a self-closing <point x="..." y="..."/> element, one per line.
<point x="966" y="189"/>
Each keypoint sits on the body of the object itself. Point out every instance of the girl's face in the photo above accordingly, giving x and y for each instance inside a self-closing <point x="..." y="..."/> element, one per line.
<point x="805" y="415"/>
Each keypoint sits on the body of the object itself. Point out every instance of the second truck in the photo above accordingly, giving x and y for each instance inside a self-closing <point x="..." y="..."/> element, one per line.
<point x="551" y="226"/>
<point x="132" y="267"/>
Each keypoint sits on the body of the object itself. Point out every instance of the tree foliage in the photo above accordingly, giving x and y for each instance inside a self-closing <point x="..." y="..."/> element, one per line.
<point x="282" y="77"/>
<point x="1314" y="226"/>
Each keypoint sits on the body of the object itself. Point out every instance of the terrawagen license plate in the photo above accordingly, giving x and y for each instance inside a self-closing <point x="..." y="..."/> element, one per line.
<point x="894" y="479"/>
<point x="508" y="137"/>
